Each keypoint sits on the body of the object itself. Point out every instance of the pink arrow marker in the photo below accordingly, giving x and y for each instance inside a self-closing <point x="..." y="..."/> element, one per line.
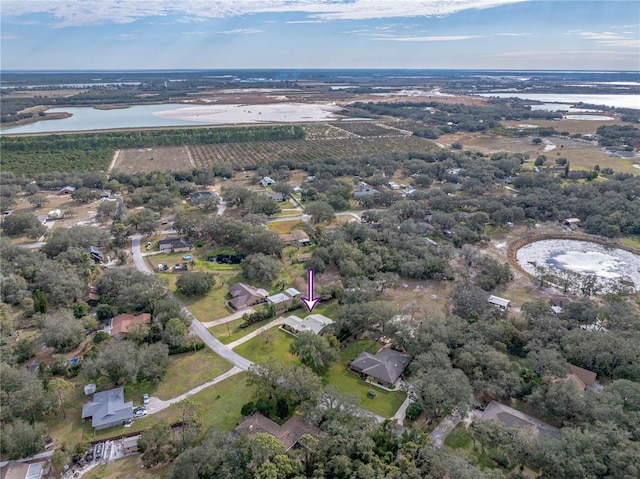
<point x="310" y="302"/>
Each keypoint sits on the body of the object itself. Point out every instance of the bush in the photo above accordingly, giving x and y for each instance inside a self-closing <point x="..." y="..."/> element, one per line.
<point x="248" y="409"/>
<point x="413" y="411"/>
<point x="186" y="348"/>
<point x="103" y="311"/>
<point x="101" y="336"/>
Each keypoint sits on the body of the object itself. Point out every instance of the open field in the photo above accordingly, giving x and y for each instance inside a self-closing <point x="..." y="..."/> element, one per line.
<point x="572" y="126"/>
<point x="259" y="349"/>
<point x="130" y="160"/>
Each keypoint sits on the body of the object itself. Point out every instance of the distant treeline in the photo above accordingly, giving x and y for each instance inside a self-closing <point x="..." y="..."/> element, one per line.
<point x="93" y="151"/>
<point x="435" y="119"/>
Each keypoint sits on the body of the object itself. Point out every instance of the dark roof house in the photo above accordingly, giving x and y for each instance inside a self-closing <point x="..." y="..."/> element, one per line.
<point x="195" y="198"/>
<point x="95" y="253"/>
<point x="515" y="419"/>
<point x="386" y="366"/>
<point x="22" y="470"/>
<point x="67" y="190"/>
<point x="584" y="378"/>
<point x="91" y="295"/>
<point x="244" y="295"/>
<point x="288" y="434"/>
<point x="108" y="409"/>
<point x="175" y="244"/>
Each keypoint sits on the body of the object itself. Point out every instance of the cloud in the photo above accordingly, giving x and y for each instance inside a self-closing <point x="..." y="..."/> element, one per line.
<point x="513" y="34"/>
<point x="240" y="31"/>
<point x="87" y="12"/>
<point x="432" y="38"/>
<point x="612" y="39"/>
<point x="9" y="36"/>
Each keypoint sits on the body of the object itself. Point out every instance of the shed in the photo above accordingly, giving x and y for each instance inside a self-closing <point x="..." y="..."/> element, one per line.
<point x="130" y="444"/>
<point x="89" y="389"/>
<point x="501" y="303"/>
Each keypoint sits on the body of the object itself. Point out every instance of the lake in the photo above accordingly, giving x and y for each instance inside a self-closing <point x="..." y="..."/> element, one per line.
<point x="618" y="101"/>
<point x="176" y="114"/>
<point x="609" y="264"/>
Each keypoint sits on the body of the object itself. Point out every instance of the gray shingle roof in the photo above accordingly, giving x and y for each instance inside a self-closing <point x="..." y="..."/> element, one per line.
<point x="386" y="365"/>
<point x="107" y="407"/>
<point x="513" y="418"/>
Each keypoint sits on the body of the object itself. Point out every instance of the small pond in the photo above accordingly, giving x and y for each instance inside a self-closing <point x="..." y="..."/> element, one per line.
<point x="566" y="259"/>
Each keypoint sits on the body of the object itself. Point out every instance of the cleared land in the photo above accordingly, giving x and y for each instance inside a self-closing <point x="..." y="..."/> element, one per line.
<point x="133" y="160"/>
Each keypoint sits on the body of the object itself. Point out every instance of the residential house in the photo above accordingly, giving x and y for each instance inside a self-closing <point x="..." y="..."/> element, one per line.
<point x="108" y="409"/>
<point x="385" y="367"/>
<point x="288" y="434"/>
<point x="175" y="244"/>
<point x="22" y="470"/>
<point x="363" y="190"/>
<point x="130" y="444"/>
<point x="266" y="182"/>
<point x="96" y="254"/>
<point x="54" y="214"/>
<point x="120" y="325"/>
<point x="515" y="419"/>
<point x="277" y="197"/>
<point x="281" y="301"/>
<point x="91" y="295"/>
<point x="314" y="323"/>
<point x="195" y="198"/>
<point x="501" y="303"/>
<point x="584" y="378"/>
<point x="296" y="238"/>
<point x="67" y="190"/>
<point x="245" y="295"/>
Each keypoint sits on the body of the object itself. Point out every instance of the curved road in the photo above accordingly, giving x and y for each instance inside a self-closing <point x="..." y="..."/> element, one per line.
<point x="196" y="326"/>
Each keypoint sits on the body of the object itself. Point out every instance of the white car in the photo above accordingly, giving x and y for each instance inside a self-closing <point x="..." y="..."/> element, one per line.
<point x="145" y="398"/>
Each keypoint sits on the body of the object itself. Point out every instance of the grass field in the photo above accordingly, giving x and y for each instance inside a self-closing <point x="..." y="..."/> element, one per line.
<point x="131" y="468"/>
<point x="284" y="227"/>
<point x="153" y="159"/>
<point x="258" y="349"/>
<point x="459" y="438"/>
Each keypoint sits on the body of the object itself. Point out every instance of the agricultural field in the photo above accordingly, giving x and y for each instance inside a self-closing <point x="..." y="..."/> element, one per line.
<point x="145" y="160"/>
<point x="368" y="128"/>
<point x="250" y="155"/>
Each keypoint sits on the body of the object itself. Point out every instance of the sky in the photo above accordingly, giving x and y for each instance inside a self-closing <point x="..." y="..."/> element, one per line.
<point x="252" y="34"/>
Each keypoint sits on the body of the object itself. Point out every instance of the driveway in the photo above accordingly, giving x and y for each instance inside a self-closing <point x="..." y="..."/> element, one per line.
<point x="231" y="317"/>
<point x="138" y="259"/>
<point x="440" y="433"/>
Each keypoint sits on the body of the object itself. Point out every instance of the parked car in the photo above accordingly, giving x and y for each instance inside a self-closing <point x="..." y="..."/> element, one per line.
<point x="145" y="398"/>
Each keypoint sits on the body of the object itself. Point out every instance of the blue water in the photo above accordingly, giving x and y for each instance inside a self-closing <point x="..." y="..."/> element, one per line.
<point x="89" y="118"/>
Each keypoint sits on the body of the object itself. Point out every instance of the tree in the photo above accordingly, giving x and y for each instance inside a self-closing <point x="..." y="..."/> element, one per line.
<point x="63" y="331"/>
<point x="274" y="379"/>
<point x="320" y="212"/>
<point x="191" y="422"/>
<point x="536" y="141"/>
<point x="38" y="200"/>
<point x="195" y="283"/>
<point x="153" y="361"/>
<point x="156" y="445"/>
<point x="260" y="267"/>
<point x="314" y="351"/>
<point x="119" y="361"/>
<point x="40" y="303"/>
<point x="21" y="439"/>
<point x="175" y="332"/>
<point x="106" y="210"/>
<point x="439" y="391"/>
<point x="18" y="224"/>
<point x="262" y="205"/>
<point x="63" y="391"/>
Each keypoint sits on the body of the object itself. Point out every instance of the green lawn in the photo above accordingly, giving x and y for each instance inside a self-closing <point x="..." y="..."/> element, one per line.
<point x="460" y="438"/>
<point x="231" y="331"/>
<point x="189" y="370"/>
<point x="131" y="468"/>
<point x="385" y="403"/>
<point x="258" y="349"/>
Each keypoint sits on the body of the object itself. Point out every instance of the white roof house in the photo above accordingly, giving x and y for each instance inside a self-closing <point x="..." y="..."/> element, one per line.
<point x="499" y="302"/>
<point x="266" y="181"/>
<point x="278" y="298"/>
<point x="293" y="292"/>
<point x="314" y="323"/>
<point x="53" y="214"/>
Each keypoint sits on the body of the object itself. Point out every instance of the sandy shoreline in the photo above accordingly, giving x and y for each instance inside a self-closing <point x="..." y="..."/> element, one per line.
<point x="248" y="114"/>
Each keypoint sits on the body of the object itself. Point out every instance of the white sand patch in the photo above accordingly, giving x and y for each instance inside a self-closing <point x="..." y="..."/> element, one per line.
<point x="502" y="245"/>
<point x="589" y="117"/>
<point x="282" y="112"/>
<point x="413" y="93"/>
<point x="636" y="166"/>
<point x="527" y="125"/>
<point x="548" y="145"/>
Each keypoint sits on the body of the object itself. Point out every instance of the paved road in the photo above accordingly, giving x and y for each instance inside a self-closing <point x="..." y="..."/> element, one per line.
<point x="138" y="259"/>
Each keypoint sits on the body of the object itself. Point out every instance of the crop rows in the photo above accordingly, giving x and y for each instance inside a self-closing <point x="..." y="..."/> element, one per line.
<point x="250" y="155"/>
<point x="367" y="128"/>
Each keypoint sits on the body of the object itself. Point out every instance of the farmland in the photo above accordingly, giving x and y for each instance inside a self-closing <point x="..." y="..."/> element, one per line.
<point x="249" y="155"/>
